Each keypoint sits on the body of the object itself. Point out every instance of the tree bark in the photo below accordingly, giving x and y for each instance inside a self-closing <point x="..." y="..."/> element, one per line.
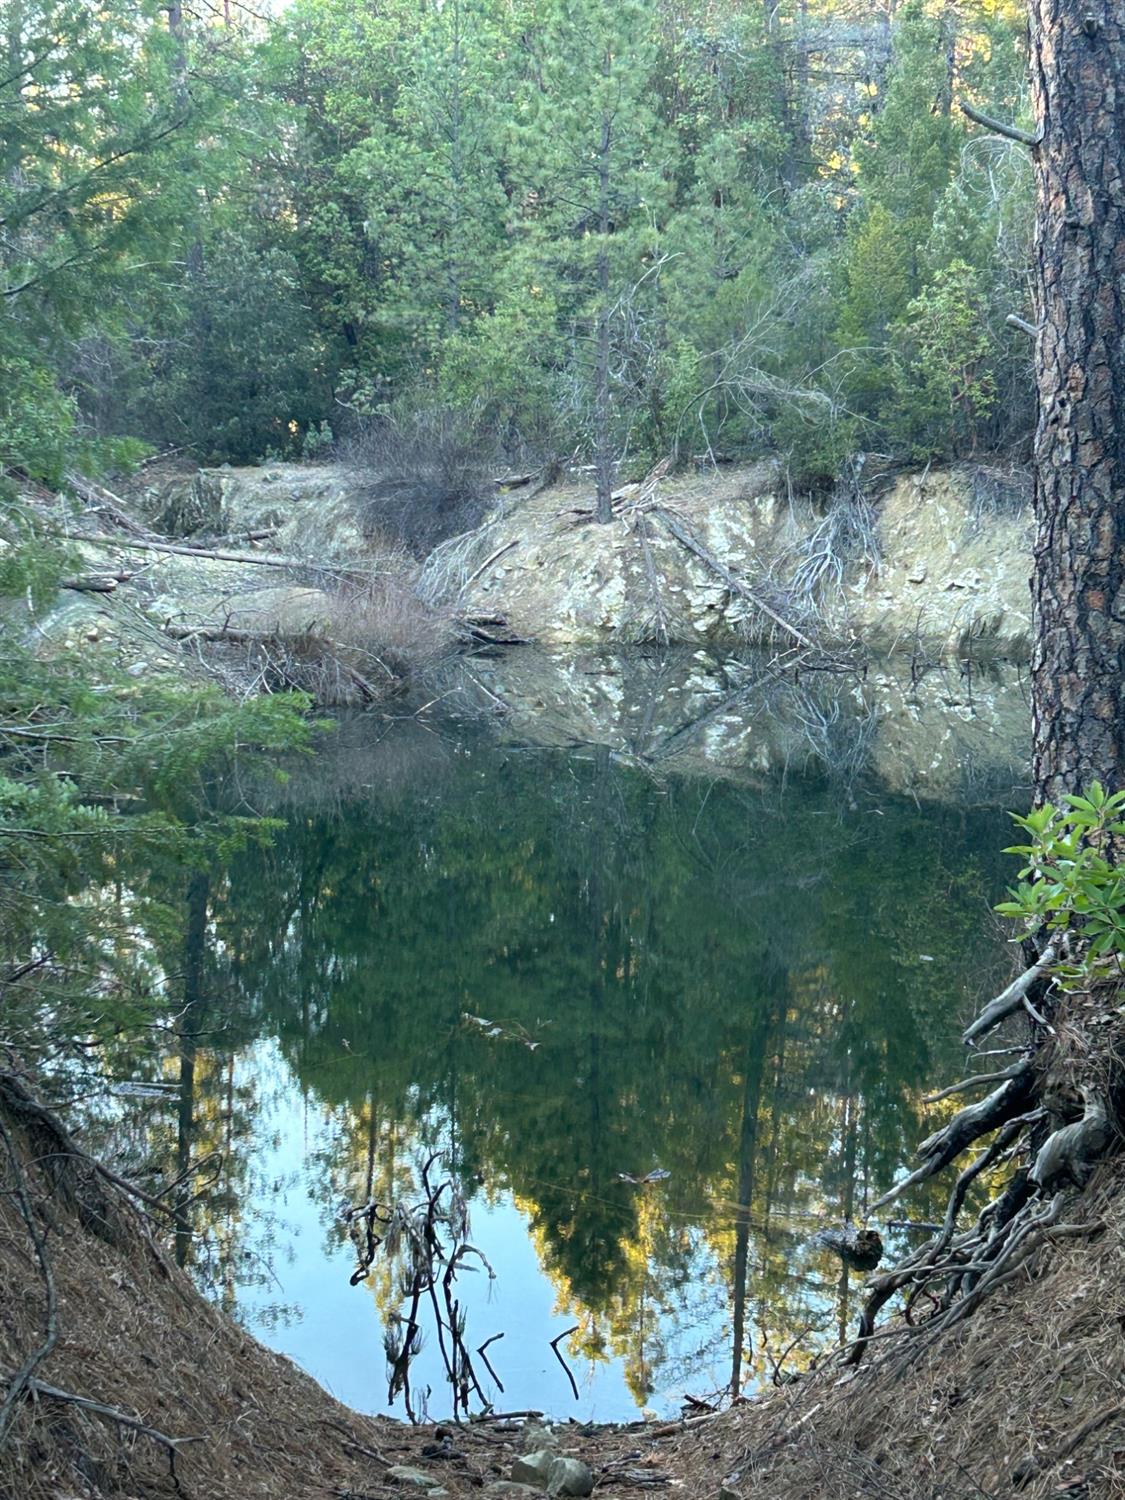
<point x="1078" y="667"/>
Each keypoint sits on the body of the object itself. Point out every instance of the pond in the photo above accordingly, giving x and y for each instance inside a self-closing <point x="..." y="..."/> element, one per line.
<point x="660" y="1017"/>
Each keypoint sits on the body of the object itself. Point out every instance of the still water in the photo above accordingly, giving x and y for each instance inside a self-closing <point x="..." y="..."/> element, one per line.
<point x="559" y="964"/>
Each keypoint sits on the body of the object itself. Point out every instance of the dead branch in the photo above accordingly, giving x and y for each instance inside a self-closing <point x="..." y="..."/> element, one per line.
<point x="219" y="554"/>
<point x="735" y="584"/>
<point x="998" y="127"/>
<point x="107" y="1413"/>
<point x="1014" y="320"/>
<point x="488" y="1363"/>
<point x="555" y="1349"/>
<point x="475" y="574"/>
<point x="101" y="499"/>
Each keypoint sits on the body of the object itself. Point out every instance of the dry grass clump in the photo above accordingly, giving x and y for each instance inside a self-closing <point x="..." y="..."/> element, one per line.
<point x="424" y="477"/>
<point x="383" y="621"/>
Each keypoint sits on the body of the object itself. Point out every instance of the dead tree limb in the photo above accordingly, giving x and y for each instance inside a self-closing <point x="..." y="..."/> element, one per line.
<point x="687" y="539"/>
<point x="1014" y="320"/>
<point x="555" y="1350"/>
<point x="217" y="554"/>
<point x="999" y="127"/>
<point x="108" y="1414"/>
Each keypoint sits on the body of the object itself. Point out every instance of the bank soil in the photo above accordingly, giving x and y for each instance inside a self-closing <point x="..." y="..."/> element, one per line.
<point x="127" y="1382"/>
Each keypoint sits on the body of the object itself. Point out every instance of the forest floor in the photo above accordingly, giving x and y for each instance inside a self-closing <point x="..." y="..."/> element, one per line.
<point x="1026" y="1398"/>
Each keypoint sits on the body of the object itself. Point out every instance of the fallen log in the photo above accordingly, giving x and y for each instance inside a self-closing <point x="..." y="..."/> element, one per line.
<point x="218" y="554"/>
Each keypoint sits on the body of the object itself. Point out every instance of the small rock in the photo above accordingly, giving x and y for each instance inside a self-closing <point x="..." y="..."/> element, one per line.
<point x="407" y="1475"/>
<point x="537" y="1435"/>
<point x="512" y="1490"/>
<point x="916" y="575"/>
<point x="570" y="1476"/>
<point x="533" y="1468"/>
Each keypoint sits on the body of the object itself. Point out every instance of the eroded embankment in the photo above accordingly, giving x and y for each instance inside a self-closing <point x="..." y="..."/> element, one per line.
<point x="278" y="575"/>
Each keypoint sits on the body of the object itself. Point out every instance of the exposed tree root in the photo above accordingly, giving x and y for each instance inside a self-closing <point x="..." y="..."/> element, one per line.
<point x="1029" y="1120"/>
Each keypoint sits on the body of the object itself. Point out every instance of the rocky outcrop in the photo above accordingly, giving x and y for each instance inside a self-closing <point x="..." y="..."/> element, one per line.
<point x="938" y="570"/>
<point x="937" y="565"/>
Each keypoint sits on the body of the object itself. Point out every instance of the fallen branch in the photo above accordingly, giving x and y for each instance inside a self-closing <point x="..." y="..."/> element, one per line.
<point x="735" y="584"/>
<point x="101" y="499"/>
<point x="109" y="1414"/>
<point x="217" y="554"/>
<point x="488" y="1363"/>
<point x="475" y="574"/>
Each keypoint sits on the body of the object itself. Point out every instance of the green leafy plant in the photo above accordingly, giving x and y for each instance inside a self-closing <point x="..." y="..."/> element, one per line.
<point x="1070" y="879"/>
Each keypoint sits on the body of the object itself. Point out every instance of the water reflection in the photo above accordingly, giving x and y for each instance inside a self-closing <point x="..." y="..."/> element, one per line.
<point x="563" y="972"/>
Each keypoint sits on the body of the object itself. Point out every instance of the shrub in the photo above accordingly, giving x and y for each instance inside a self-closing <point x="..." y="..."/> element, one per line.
<point x="424" y="477"/>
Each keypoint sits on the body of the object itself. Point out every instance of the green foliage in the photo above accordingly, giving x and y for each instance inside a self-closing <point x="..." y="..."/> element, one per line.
<point x="237" y="370"/>
<point x="1071" y="878"/>
<point x="943" y="381"/>
<point x="244" y="228"/>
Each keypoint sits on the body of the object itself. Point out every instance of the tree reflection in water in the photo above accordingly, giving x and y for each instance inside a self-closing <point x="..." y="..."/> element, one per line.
<point x="561" y="973"/>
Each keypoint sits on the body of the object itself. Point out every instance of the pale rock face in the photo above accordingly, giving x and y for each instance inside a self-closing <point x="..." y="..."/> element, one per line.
<point x="951" y="579"/>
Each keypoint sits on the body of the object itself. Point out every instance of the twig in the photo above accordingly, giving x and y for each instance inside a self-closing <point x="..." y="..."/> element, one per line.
<point x="555" y="1347"/>
<point x="109" y="1414"/>
<point x="488" y="1363"/>
<point x="475" y="574"/>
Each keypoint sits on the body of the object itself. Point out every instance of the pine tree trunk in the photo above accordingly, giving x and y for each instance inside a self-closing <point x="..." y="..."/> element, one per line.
<point x="1078" y="666"/>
